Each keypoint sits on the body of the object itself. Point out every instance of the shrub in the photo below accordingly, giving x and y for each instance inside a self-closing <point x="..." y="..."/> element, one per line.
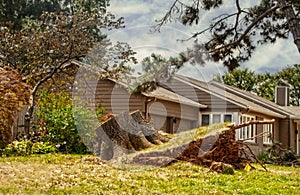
<point x="18" y="148"/>
<point x="57" y="124"/>
<point x="43" y="148"/>
<point x="27" y="147"/>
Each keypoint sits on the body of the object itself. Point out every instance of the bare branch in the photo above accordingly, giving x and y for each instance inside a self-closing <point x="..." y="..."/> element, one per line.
<point x="254" y="122"/>
<point x="166" y="17"/>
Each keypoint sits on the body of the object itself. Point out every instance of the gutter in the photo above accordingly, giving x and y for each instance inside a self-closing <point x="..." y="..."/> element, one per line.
<point x="147" y="102"/>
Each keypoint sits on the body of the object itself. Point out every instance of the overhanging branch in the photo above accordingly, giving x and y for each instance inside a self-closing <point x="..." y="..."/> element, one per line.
<point x="248" y="29"/>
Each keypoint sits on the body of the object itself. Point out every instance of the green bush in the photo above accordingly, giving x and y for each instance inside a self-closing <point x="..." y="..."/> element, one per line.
<point x="43" y="148"/>
<point x="27" y="147"/>
<point x="264" y="157"/>
<point x="57" y="124"/>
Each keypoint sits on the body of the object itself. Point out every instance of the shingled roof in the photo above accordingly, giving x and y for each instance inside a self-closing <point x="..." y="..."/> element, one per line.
<point x="253" y="98"/>
<point x="237" y="98"/>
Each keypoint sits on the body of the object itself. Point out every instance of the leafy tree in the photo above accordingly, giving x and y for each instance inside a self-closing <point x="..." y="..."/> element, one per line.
<point x="15" y="14"/>
<point x="45" y="47"/>
<point x="265" y="86"/>
<point x="13" y="95"/>
<point x="57" y="124"/>
<point x="240" y="78"/>
<point x="234" y="36"/>
<point x="290" y="76"/>
<point x="157" y="68"/>
<point x="261" y="84"/>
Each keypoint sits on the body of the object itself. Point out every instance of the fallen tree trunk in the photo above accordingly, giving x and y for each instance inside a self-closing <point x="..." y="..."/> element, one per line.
<point x="125" y="133"/>
<point x="219" y="147"/>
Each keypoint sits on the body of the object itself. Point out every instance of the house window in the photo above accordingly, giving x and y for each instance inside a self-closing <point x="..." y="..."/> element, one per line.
<point x="227" y="118"/>
<point x="205" y="120"/>
<point x="216" y="118"/>
<point x="267" y="133"/>
<point x="208" y="119"/>
<point x="249" y="131"/>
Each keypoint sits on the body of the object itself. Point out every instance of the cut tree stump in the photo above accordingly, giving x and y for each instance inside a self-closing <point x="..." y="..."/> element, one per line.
<point x="125" y="133"/>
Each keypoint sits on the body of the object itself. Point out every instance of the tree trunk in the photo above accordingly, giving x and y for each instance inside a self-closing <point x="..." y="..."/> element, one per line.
<point x="293" y="21"/>
<point x="27" y="120"/>
<point x="148" y="130"/>
<point x="127" y="132"/>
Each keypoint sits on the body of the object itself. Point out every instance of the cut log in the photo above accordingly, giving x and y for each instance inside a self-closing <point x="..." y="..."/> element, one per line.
<point x="148" y="130"/>
<point x="126" y="130"/>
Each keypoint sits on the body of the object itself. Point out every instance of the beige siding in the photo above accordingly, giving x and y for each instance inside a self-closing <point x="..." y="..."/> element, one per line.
<point x="172" y="117"/>
<point x="171" y="124"/>
<point x="162" y="113"/>
<point x="184" y="124"/>
<point x="293" y="135"/>
<point x="284" y="132"/>
<point x="159" y="122"/>
<point x="213" y="102"/>
<point x="201" y="96"/>
<point x="161" y="107"/>
<point x="116" y="99"/>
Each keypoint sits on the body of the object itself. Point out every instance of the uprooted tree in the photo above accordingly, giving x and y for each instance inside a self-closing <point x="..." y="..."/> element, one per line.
<point x="234" y="36"/>
<point x="130" y="133"/>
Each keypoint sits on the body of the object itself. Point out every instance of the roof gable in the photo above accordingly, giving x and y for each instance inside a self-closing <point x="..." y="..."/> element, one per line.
<point x="227" y="95"/>
<point x="253" y="98"/>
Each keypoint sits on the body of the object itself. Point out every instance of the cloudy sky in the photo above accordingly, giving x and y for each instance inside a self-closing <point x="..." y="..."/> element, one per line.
<point x="140" y="16"/>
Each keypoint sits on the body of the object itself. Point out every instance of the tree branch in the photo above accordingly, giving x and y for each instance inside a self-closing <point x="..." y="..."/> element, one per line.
<point x="254" y="122"/>
<point x="293" y="21"/>
<point x="248" y="29"/>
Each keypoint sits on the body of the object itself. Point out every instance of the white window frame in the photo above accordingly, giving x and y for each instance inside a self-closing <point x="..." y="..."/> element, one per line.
<point x="211" y="115"/>
<point x="268" y="133"/>
<point x="247" y="133"/>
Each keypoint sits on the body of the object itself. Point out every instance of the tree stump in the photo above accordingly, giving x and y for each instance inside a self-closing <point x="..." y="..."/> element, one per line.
<point x="129" y="132"/>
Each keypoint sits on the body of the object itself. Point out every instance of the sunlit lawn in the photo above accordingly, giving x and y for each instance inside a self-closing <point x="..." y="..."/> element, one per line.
<point x="74" y="174"/>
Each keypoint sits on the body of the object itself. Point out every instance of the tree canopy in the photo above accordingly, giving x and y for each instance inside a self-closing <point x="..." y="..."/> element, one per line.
<point x="42" y="48"/>
<point x="14" y="14"/>
<point x="234" y="36"/>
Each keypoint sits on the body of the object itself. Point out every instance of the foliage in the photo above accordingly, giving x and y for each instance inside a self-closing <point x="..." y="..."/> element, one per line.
<point x="234" y="36"/>
<point x="15" y="14"/>
<point x="290" y="76"/>
<point x="57" y="123"/>
<point x="156" y="69"/>
<point x="77" y="174"/>
<point x="240" y="78"/>
<point x="27" y="147"/>
<point x="265" y="86"/>
<point x="275" y="154"/>
<point x="43" y="50"/>
<point x="13" y="95"/>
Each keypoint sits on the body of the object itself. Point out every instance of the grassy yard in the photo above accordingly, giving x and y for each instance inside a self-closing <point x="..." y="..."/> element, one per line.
<point x="74" y="174"/>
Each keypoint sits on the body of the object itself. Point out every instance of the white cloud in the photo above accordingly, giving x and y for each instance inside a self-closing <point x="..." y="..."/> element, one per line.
<point x="272" y="58"/>
<point x="140" y="16"/>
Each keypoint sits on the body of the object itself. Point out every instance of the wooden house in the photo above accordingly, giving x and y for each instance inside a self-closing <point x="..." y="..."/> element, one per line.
<point x="167" y="110"/>
<point x="229" y="104"/>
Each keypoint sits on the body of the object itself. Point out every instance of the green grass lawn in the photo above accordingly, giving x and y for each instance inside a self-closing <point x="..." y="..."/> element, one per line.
<point x="74" y="174"/>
